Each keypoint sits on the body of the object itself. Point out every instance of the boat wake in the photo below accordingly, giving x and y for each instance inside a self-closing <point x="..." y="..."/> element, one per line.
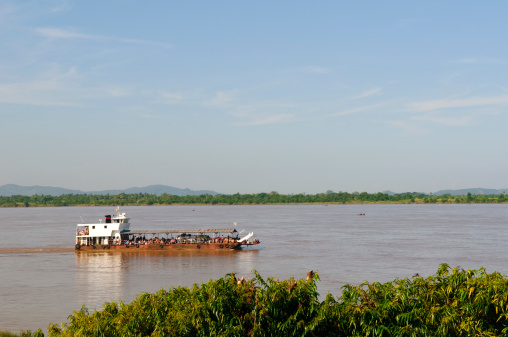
<point x="35" y="250"/>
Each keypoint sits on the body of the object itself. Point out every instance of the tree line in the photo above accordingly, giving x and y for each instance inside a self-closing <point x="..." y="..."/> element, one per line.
<point x="144" y="199"/>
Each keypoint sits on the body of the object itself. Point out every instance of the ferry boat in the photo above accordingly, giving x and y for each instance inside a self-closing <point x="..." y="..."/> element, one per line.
<point x="115" y="234"/>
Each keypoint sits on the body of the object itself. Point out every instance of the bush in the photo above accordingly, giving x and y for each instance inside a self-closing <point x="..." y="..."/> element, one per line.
<point x="453" y="302"/>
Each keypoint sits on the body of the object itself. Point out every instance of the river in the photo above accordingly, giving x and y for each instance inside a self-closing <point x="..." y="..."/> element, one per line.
<point x="44" y="280"/>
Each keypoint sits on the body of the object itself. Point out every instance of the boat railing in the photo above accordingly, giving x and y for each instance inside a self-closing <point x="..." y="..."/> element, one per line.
<point x="141" y="241"/>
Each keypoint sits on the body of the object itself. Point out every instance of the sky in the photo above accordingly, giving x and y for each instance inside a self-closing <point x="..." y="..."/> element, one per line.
<point x="254" y="96"/>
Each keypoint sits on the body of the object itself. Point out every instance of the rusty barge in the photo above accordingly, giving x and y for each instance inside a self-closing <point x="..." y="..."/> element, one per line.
<point x="115" y="234"/>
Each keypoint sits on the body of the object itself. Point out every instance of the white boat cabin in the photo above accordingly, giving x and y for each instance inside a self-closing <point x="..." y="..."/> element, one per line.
<point x="103" y="233"/>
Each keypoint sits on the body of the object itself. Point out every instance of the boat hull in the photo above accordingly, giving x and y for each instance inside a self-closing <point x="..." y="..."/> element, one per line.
<point x="159" y="247"/>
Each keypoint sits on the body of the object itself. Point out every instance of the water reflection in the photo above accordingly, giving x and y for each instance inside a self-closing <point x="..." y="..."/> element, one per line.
<point x="98" y="277"/>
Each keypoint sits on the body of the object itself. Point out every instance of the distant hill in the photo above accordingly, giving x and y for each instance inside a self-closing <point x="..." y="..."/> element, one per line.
<point x="477" y="191"/>
<point x="11" y="189"/>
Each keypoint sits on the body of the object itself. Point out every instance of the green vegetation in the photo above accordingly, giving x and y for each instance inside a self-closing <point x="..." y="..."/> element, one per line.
<point x="453" y="302"/>
<point x="241" y="199"/>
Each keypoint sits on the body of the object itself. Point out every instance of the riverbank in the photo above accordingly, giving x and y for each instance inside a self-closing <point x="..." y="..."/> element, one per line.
<point x="272" y="198"/>
<point x="416" y="202"/>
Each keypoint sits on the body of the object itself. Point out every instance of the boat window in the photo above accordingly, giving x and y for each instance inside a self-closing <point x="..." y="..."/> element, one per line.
<point x="105" y="226"/>
<point x="82" y="230"/>
<point x="93" y="227"/>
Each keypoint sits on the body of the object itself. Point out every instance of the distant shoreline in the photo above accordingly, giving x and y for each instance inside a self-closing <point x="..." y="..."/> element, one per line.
<point x="263" y="204"/>
<point x="272" y="198"/>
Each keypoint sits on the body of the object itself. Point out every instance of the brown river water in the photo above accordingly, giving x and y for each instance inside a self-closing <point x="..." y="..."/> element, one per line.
<point x="43" y="280"/>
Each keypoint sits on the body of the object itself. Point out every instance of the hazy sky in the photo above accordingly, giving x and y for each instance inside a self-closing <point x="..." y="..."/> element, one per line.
<point x="254" y="96"/>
